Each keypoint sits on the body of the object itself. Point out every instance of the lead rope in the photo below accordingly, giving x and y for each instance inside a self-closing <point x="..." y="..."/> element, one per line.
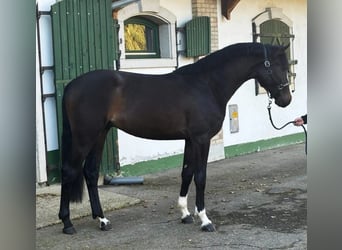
<point x="291" y="122"/>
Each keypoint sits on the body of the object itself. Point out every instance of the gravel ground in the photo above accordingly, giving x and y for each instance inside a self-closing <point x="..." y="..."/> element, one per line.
<point x="256" y="201"/>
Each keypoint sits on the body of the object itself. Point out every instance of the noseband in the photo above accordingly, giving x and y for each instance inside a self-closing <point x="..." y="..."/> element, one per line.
<point x="267" y="65"/>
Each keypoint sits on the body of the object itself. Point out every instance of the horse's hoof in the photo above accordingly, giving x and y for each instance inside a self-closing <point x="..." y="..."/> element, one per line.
<point x="69" y="230"/>
<point x="188" y="219"/>
<point x="208" y="228"/>
<point x="105" y="226"/>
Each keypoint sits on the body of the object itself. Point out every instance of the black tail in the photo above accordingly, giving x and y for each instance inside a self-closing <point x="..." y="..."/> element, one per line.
<point x="72" y="175"/>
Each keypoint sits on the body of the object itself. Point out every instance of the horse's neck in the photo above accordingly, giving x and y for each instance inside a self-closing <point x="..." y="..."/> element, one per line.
<point x="224" y="82"/>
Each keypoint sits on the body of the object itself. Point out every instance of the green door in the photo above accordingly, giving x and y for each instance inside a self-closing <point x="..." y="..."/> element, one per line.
<point x="84" y="39"/>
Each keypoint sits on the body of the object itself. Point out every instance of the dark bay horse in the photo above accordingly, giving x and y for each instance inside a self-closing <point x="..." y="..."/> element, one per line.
<point x="189" y="103"/>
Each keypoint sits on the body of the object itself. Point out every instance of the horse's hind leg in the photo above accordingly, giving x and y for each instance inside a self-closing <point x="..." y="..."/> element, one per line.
<point x="72" y="188"/>
<point x="91" y="173"/>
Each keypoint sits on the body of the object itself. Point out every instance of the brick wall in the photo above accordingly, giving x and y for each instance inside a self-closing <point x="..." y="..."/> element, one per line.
<point x="208" y="8"/>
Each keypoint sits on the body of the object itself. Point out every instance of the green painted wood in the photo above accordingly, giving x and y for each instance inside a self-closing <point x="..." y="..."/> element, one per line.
<point x="60" y="85"/>
<point x="71" y="67"/>
<point x="84" y="37"/>
<point x="55" y="10"/>
<point x="108" y="157"/>
<point x="83" y="33"/>
<point x="97" y="35"/>
<point x="103" y="35"/>
<point x="91" y="35"/>
<point x="78" y="49"/>
<point x="198" y="36"/>
<point x="63" y="30"/>
<point x="53" y="170"/>
<point x="113" y="41"/>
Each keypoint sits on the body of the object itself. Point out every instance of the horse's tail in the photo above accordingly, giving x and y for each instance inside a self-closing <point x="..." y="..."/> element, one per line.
<point x="73" y="175"/>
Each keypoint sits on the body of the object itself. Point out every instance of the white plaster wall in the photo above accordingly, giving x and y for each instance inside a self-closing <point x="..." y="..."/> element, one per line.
<point x="253" y="117"/>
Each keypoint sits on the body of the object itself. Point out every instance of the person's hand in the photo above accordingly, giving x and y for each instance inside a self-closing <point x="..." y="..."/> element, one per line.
<point x="298" y="121"/>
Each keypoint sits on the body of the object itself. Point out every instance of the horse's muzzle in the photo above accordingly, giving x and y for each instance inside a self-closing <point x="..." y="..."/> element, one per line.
<point x="283" y="100"/>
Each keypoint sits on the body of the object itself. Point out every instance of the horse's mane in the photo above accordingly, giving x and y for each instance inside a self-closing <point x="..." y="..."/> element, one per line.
<point x="221" y="57"/>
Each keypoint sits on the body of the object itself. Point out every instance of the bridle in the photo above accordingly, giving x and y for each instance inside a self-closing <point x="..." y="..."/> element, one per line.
<point x="267" y="65"/>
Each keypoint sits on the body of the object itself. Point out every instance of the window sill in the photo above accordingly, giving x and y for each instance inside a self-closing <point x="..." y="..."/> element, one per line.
<point x="148" y="63"/>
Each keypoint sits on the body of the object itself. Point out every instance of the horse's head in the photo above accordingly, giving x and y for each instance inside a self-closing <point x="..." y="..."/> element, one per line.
<point x="272" y="74"/>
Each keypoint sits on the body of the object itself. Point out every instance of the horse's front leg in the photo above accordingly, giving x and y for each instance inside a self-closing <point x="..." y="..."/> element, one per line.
<point x="187" y="175"/>
<point x="195" y="163"/>
<point x="200" y="177"/>
<point x="200" y="181"/>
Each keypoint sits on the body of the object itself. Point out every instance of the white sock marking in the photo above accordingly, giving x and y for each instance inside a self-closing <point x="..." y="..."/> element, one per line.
<point x="183" y="205"/>
<point x="104" y="220"/>
<point x="203" y="216"/>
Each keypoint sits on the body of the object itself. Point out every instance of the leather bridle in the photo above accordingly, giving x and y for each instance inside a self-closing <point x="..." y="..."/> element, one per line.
<point x="267" y="65"/>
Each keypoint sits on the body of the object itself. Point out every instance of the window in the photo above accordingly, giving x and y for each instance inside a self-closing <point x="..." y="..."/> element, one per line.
<point x="275" y="31"/>
<point x="150" y="30"/>
<point x="141" y="38"/>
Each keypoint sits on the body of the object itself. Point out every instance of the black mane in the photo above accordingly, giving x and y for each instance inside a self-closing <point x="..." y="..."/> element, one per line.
<point x="221" y="57"/>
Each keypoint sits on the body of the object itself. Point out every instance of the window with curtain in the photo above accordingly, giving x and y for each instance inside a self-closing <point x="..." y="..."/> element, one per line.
<point x="141" y="38"/>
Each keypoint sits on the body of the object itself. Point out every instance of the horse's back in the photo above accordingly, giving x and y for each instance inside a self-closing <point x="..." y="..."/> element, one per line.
<point x="149" y="106"/>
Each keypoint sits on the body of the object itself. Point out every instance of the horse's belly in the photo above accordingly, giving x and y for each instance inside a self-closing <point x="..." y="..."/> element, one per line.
<point x="150" y="125"/>
<point x="155" y="132"/>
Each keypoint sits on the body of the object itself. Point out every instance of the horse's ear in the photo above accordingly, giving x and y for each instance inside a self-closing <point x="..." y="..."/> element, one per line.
<point x="286" y="47"/>
<point x="281" y="49"/>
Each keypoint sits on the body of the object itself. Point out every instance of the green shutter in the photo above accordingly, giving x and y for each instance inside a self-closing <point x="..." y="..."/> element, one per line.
<point x="84" y="39"/>
<point x="198" y="36"/>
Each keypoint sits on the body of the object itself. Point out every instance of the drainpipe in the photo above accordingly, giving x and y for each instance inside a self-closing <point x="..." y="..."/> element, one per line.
<point x="109" y="180"/>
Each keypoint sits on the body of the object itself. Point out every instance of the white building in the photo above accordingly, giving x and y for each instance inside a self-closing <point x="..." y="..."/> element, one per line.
<point x="246" y="128"/>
